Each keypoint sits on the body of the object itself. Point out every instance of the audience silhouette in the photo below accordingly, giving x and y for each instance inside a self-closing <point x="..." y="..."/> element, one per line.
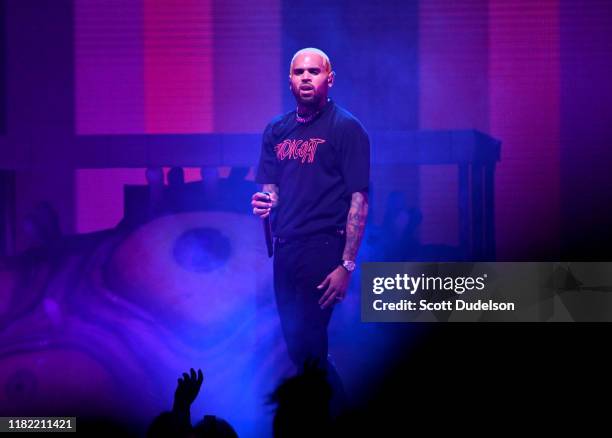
<point x="303" y="404"/>
<point x="177" y="423"/>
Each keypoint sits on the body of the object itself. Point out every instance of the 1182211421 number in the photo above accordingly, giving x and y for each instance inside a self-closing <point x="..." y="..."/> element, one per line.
<point x="39" y="424"/>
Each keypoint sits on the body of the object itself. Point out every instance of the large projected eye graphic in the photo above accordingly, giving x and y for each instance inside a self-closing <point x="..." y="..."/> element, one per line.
<point x="189" y="273"/>
<point x="202" y="250"/>
<point x="188" y="289"/>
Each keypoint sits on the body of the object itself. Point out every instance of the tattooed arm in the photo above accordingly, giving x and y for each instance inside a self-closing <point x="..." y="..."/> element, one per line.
<point x="355" y="225"/>
<point x="336" y="283"/>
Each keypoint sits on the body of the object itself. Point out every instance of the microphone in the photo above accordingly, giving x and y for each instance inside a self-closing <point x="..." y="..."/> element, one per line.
<point x="268" y="231"/>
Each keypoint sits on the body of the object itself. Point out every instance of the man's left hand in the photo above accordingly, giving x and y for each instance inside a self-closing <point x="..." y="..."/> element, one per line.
<point x="337" y="284"/>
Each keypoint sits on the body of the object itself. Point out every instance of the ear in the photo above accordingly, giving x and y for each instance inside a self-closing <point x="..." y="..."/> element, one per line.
<point x="330" y="79"/>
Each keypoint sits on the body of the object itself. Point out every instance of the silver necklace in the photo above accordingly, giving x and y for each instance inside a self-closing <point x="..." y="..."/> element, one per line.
<point x="306" y="119"/>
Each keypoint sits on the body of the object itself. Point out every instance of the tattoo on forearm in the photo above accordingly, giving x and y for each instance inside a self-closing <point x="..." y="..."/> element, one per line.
<point x="355" y="224"/>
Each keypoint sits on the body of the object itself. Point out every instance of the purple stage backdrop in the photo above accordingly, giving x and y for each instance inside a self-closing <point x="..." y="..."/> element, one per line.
<point x="142" y="67"/>
<point x="94" y="91"/>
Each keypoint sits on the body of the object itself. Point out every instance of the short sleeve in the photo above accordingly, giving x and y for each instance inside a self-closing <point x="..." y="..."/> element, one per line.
<point x="355" y="157"/>
<point x="267" y="170"/>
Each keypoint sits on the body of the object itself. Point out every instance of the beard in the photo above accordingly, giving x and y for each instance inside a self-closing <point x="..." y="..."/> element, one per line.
<point x="311" y="101"/>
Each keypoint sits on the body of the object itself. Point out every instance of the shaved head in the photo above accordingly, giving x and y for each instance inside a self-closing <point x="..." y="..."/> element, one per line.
<point x="310" y="78"/>
<point x="312" y="50"/>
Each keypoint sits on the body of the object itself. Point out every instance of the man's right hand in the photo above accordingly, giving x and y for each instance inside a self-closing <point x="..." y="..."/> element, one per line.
<point x="262" y="203"/>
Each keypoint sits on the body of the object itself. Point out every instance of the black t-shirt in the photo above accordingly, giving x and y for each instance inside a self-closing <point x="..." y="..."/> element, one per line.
<point x="316" y="166"/>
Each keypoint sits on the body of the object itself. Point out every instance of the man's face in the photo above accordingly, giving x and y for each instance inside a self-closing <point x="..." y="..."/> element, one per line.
<point x="309" y="79"/>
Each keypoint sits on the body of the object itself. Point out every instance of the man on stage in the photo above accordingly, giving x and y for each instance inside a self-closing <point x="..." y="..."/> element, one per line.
<point x="314" y="167"/>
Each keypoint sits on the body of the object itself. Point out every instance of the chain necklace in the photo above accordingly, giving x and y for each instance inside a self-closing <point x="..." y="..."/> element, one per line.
<point x="307" y="119"/>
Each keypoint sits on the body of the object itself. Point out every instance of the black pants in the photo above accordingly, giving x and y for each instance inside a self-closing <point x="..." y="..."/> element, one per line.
<point x="299" y="267"/>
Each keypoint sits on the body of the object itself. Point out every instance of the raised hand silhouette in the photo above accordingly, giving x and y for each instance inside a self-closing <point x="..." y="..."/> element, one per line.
<point x="187" y="390"/>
